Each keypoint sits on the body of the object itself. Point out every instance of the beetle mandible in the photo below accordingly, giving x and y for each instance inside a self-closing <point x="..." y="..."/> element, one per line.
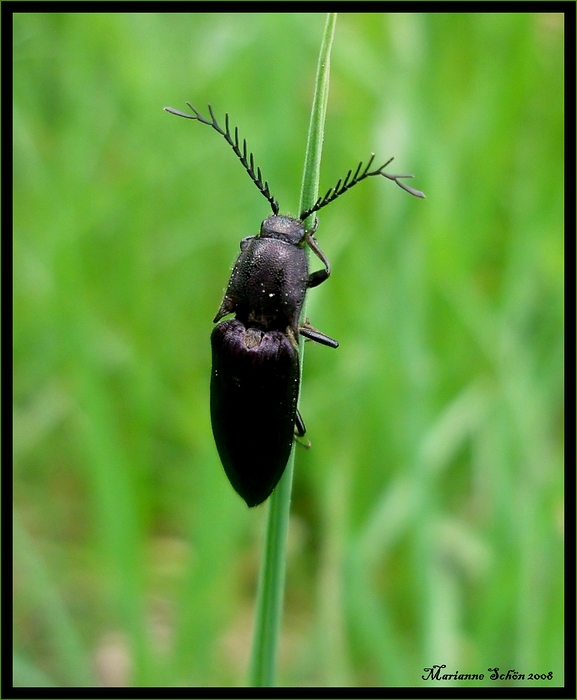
<point x="255" y="378"/>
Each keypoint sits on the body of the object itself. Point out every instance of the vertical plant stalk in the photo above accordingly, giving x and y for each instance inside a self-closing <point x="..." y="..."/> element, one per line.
<point x="272" y="572"/>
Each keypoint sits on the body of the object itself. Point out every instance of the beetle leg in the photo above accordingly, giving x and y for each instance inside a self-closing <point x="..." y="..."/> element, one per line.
<point x="300" y="428"/>
<point x="319" y="276"/>
<point x="300" y="431"/>
<point x="307" y="331"/>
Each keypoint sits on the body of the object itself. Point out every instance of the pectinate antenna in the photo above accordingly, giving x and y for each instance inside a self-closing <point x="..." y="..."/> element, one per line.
<point x="247" y="159"/>
<point x="343" y="185"/>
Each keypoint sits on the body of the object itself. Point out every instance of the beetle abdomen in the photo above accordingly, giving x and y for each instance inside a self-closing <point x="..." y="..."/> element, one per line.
<point x="253" y="401"/>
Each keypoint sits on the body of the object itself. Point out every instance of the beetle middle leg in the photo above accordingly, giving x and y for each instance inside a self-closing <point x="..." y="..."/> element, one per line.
<point x="307" y="331"/>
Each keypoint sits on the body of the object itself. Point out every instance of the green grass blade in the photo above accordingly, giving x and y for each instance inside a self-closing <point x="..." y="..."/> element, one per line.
<point x="312" y="169"/>
<point x="272" y="573"/>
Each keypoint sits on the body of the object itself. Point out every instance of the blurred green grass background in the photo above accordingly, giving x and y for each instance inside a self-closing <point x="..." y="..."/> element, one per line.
<point x="427" y="517"/>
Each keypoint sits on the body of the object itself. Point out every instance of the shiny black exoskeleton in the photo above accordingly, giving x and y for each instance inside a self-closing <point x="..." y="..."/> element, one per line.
<point x="255" y="364"/>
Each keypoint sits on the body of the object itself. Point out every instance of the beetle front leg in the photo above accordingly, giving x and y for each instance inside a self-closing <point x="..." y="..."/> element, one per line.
<point x="319" y="276"/>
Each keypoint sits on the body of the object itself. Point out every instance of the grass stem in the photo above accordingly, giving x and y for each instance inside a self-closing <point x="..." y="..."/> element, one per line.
<point x="272" y="573"/>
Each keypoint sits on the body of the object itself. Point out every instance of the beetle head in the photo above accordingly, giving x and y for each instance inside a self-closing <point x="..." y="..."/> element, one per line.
<point x="283" y="228"/>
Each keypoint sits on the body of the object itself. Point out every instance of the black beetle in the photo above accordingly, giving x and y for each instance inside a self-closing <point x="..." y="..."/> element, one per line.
<point x="255" y="364"/>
